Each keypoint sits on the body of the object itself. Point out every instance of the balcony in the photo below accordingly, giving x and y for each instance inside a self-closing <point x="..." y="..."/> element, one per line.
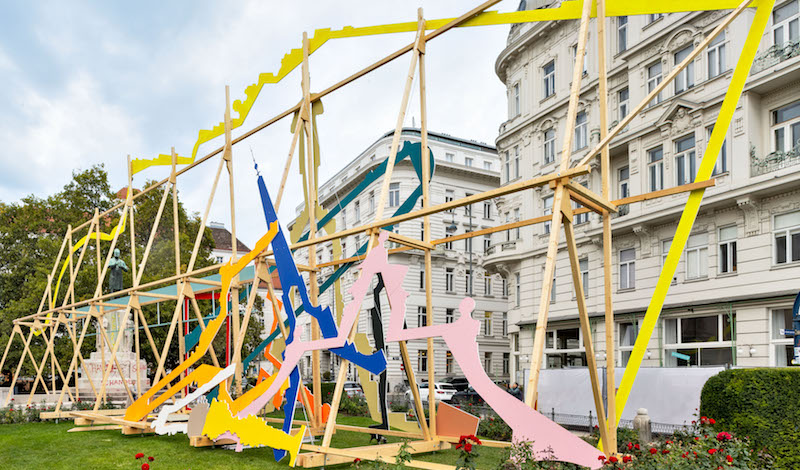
<point x="775" y="55"/>
<point x="508" y="246"/>
<point x="773" y="162"/>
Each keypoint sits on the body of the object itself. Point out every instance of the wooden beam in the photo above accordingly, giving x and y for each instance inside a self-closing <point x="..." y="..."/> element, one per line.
<point x="575" y="89"/>
<point x="410" y="242"/>
<point x="667" y="81"/>
<point x="595" y="198"/>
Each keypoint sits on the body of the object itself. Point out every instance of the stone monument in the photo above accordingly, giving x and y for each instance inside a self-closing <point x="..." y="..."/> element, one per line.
<point x="100" y="358"/>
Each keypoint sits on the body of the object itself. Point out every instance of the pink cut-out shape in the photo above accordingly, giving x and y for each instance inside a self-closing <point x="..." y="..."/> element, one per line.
<point x="527" y="423"/>
<point x="376" y="262"/>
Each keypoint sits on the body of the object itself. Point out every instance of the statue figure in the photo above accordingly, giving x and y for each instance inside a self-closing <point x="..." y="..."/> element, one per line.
<point x="115" y="268"/>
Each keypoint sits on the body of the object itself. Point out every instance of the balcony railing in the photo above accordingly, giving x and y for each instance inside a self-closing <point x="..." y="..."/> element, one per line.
<point x="774" y="161"/>
<point x="508" y="246"/>
<point x="775" y="55"/>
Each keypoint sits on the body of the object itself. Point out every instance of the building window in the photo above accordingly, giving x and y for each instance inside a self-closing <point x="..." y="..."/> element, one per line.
<point x="786" y="128"/>
<point x="468" y="242"/>
<point x="504" y="286"/>
<point x="665" y="245"/>
<point x="549" y="146"/>
<point x="518" y="286"/>
<point x="487" y="362"/>
<point x="627" y="269"/>
<point x="548" y="210"/>
<point x="553" y="288"/>
<point x="727" y="249"/>
<point x="448" y="363"/>
<point x="622" y="34"/>
<point x="706" y="340"/>
<point x="685" y="78"/>
<point x="564" y="348"/>
<point x="449" y="195"/>
<point x="584" y="267"/>
<point x="468" y="282"/>
<point x="582" y="217"/>
<point x="653" y="80"/>
<point x="449" y="157"/>
<point x="487" y="284"/>
<point x="653" y="17"/>
<point x="487" y="209"/>
<point x="448" y="280"/>
<point x="721" y="166"/>
<point x="344" y="217"/>
<point x="371" y="200"/>
<point x="508" y="232"/>
<point x="422" y="278"/>
<point x="787" y="237"/>
<point x="449" y="315"/>
<point x="716" y="56"/>
<point x="782" y="345"/>
<point x="516" y="161"/>
<point x="574" y="50"/>
<point x="394" y="194"/>
<point x="487" y="165"/>
<point x="623" y="174"/>
<point x="624" y="103"/>
<point x="685" y="161"/>
<point x="581" y="131"/>
<point x="468" y="161"/>
<point x="697" y="256"/>
<point x="516" y="100"/>
<point x="487" y="324"/>
<point x="655" y="168"/>
<point x="422" y="230"/>
<point x="506" y="361"/>
<point x="549" y="72"/>
<point x="448" y="245"/>
<point x="422" y="360"/>
<point x="357" y="209"/>
<point x="422" y="317"/>
<point x="505" y="324"/>
<point x="218" y="259"/>
<point x="516" y="219"/>
<point x="487" y="243"/>
<point x="627" y="337"/>
<point x="785" y="23"/>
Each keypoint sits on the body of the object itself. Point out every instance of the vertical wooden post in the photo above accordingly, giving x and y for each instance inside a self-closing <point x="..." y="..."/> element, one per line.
<point x="19" y="366"/>
<point x="586" y="328"/>
<point x="373" y="239"/>
<point x="71" y="270"/>
<point x="531" y="392"/>
<point x="311" y="208"/>
<point x="426" y="224"/>
<point x="605" y="175"/>
<point x="14" y="331"/>
<point x="176" y="233"/>
<point x="228" y="157"/>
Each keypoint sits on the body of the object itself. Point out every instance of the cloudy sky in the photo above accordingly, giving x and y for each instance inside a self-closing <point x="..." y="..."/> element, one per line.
<point x="91" y="82"/>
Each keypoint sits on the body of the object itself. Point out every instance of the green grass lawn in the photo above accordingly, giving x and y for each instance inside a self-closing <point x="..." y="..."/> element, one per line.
<point x="48" y="445"/>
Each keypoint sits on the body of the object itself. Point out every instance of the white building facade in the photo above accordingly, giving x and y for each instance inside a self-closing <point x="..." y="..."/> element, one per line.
<point x="736" y="280"/>
<point x="462" y="167"/>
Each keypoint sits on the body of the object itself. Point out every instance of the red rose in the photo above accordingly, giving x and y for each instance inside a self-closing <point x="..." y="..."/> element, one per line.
<point x="636" y="447"/>
<point x="712" y="421"/>
<point x="696" y="438"/>
<point x="468" y="447"/>
<point x="138" y="456"/>
<point x="712" y="451"/>
<point x="601" y="458"/>
<point x="724" y="436"/>
<point x="145" y="466"/>
<point x="357" y="460"/>
<point x="665" y="451"/>
<point x="669" y="442"/>
<point x="151" y="458"/>
<point x="613" y="459"/>
<point x="653" y="450"/>
<point x="630" y="445"/>
<point x="729" y="459"/>
<point x="626" y="458"/>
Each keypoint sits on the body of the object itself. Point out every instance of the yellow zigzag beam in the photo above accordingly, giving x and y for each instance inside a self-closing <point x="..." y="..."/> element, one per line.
<point x="568" y="10"/>
<point x="693" y="204"/>
<point x="89" y="236"/>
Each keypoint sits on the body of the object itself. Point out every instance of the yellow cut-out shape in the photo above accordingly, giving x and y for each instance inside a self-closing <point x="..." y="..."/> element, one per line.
<point x="692" y="207"/>
<point x="566" y="11"/>
<point x="148" y="402"/>
<point x="251" y="431"/>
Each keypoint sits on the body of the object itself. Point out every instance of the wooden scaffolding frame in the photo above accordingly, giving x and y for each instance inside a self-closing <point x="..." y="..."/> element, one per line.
<point x="74" y="315"/>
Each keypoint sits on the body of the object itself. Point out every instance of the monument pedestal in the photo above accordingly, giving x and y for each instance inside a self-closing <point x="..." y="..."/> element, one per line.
<point x="115" y="389"/>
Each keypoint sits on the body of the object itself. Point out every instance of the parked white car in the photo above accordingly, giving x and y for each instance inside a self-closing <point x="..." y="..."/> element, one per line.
<point x="443" y="392"/>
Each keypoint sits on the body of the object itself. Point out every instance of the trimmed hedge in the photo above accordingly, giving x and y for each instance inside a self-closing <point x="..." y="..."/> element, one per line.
<point x="763" y="404"/>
